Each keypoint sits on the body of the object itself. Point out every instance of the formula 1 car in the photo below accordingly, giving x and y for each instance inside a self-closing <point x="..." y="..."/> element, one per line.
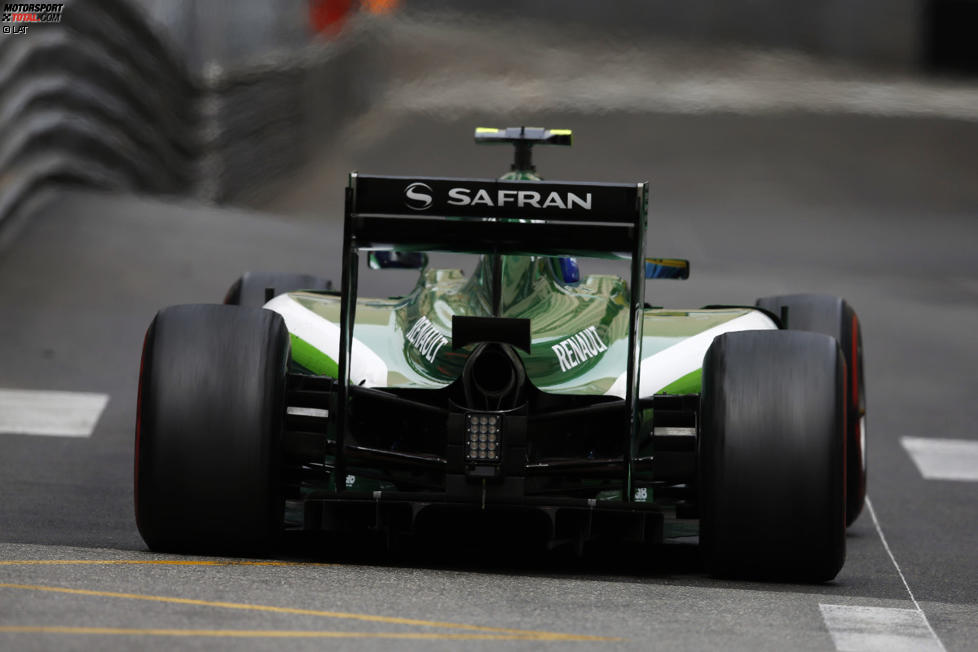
<point x="526" y="390"/>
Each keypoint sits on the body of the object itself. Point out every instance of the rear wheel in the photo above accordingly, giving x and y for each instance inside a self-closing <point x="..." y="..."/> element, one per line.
<point x="208" y="430"/>
<point x="772" y="456"/>
<point x="249" y="290"/>
<point x="833" y="316"/>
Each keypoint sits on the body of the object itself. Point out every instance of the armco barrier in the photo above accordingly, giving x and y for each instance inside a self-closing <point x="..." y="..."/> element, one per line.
<point x="95" y="100"/>
<point x="262" y="122"/>
<point x="101" y="100"/>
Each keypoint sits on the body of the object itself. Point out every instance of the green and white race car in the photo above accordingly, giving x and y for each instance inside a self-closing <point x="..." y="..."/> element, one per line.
<point x="524" y="389"/>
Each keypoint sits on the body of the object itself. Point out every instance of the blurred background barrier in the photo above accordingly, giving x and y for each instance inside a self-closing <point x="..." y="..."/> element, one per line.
<point x="219" y="99"/>
<point x="209" y="99"/>
<point x="95" y="100"/>
<point x="900" y="35"/>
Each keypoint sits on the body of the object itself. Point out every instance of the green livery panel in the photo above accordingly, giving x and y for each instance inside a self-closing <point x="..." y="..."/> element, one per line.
<point x="579" y="331"/>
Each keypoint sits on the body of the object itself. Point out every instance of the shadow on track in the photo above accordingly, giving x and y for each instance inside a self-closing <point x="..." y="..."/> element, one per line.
<point x="515" y="552"/>
<point x="510" y="551"/>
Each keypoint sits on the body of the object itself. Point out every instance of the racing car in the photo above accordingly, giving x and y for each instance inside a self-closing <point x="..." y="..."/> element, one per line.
<point x="524" y="391"/>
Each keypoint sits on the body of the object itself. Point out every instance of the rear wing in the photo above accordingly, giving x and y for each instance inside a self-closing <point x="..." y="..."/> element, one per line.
<point x="490" y="216"/>
<point x="600" y="220"/>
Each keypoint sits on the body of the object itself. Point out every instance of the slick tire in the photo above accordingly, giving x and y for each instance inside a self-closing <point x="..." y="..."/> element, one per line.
<point x="772" y="456"/>
<point x="249" y="290"/>
<point x="209" y="430"/>
<point x="833" y="316"/>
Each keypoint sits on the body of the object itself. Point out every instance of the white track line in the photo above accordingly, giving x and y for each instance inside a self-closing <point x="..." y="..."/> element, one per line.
<point x="307" y="412"/>
<point x="59" y="414"/>
<point x="857" y="628"/>
<point x="943" y="459"/>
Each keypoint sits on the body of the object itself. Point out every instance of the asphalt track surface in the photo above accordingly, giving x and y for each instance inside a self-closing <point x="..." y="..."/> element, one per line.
<point x="879" y="210"/>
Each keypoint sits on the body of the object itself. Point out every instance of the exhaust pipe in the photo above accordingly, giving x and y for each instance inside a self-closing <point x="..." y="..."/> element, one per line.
<point x="493" y="378"/>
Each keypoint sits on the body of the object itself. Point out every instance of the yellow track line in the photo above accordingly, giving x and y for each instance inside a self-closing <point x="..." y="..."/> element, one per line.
<point x="155" y="562"/>
<point x="391" y="620"/>
<point x="264" y="633"/>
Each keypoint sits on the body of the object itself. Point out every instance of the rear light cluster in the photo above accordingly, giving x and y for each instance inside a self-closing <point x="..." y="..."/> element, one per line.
<point x="483" y="440"/>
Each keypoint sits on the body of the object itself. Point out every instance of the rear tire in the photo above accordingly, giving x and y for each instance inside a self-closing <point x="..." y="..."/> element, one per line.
<point x="249" y="290"/>
<point x="208" y="430"/>
<point x="772" y="456"/>
<point x="834" y="316"/>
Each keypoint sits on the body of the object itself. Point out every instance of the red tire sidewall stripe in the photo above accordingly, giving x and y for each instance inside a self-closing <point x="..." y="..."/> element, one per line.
<point x="139" y="416"/>
<point x="854" y="362"/>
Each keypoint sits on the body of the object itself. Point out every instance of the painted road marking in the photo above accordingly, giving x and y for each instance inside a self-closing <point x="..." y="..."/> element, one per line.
<point x="155" y="562"/>
<point x="858" y="629"/>
<point x="319" y="413"/>
<point x="886" y="546"/>
<point x="944" y="459"/>
<point x="390" y="620"/>
<point x="266" y="633"/>
<point x="60" y="414"/>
